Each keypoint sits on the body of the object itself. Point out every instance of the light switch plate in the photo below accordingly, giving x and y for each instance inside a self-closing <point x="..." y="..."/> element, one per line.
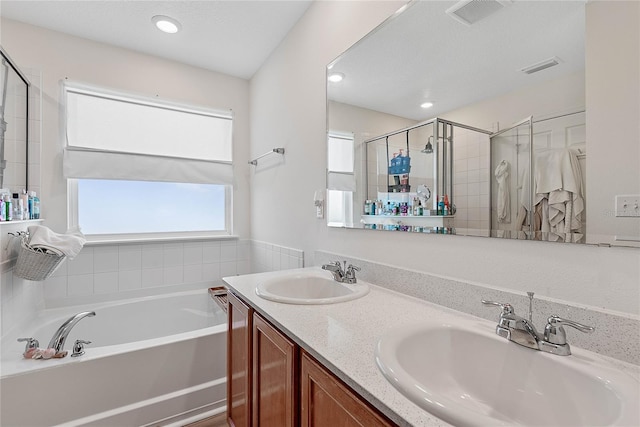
<point x="628" y="205"/>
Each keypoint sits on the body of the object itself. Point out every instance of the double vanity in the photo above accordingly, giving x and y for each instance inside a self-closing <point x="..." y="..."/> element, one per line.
<point x="315" y="347"/>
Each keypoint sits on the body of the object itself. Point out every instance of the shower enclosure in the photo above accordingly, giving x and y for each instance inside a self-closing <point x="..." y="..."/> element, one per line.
<point x="538" y="179"/>
<point x="424" y="165"/>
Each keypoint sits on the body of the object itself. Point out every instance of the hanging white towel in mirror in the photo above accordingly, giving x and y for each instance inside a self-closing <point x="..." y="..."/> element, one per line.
<point x="504" y="201"/>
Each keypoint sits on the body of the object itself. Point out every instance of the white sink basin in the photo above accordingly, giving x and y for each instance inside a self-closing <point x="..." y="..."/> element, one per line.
<point x="309" y="288"/>
<point x="475" y="378"/>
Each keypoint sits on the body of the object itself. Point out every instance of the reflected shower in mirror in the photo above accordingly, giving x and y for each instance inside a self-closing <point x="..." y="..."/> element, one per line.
<point x="473" y="81"/>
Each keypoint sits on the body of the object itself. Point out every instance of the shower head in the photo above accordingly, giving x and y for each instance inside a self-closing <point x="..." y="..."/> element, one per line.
<point x="428" y="149"/>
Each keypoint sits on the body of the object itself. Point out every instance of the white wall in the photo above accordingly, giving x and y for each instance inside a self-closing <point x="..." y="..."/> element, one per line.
<point x="613" y="100"/>
<point x="288" y="106"/>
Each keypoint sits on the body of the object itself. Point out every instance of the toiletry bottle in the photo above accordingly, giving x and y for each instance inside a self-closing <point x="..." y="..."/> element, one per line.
<point x="17" y="207"/>
<point x="8" y="208"/>
<point x="3" y="214"/>
<point x="24" y="198"/>
<point x="447" y="206"/>
<point x="420" y="209"/>
<point x="35" y="214"/>
<point x="372" y="209"/>
<point x="30" y="204"/>
<point x="441" y="206"/>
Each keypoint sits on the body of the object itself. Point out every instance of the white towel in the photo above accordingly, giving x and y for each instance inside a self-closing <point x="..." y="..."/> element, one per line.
<point x="504" y="201"/>
<point x="70" y="244"/>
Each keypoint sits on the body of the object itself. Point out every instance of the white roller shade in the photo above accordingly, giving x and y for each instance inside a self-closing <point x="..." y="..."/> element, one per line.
<point x="115" y="136"/>
<point x="341" y="181"/>
<point x="91" y="164"/>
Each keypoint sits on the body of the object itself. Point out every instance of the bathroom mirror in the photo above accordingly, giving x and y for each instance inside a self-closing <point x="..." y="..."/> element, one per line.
<point x="14" y="125"/>
<point x="505" y="84"/>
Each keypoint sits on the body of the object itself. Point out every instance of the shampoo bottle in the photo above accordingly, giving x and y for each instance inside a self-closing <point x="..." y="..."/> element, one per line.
<point x="34" y="211"/>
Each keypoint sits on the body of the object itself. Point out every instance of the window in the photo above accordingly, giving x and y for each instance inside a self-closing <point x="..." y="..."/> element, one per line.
<point x="341" y="181"/>
<point x="138" y="166"/>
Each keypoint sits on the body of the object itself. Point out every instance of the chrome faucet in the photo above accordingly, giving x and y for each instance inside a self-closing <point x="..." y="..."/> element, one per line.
<point x="342" y="274"/>
<point x="59" y="338"/>
<point x="521" y="331"/>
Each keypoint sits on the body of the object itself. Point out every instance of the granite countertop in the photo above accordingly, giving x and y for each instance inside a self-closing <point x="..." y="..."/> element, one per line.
<point x="343" y="336"/>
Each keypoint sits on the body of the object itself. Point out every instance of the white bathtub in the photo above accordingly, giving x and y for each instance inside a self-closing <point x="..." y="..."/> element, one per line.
<point x="156" y="360"/>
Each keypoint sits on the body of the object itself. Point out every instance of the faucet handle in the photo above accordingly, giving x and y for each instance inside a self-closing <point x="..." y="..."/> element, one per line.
<point x="78" y="348"/>
<point x="32" y="343"/>
<point x="506" y="307"/>
<point x="554" y="331"/>
<point x="353" y="268"/>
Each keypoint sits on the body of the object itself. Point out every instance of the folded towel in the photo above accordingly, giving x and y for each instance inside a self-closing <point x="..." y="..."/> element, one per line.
<point x="70" y="244"/>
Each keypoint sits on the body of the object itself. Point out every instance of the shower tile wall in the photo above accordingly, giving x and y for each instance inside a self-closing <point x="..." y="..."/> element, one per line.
<point x="132" y="268"/>
<point x="471" y="181"/>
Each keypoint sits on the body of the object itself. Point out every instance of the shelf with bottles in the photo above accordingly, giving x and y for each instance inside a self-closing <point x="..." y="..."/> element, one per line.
<point x="21" y="221"/>
<point x="409" y="220"/>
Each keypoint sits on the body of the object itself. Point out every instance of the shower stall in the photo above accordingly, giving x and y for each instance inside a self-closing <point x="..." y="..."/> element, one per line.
<point x="538" y="179"/>
<point x="427" y="164"/>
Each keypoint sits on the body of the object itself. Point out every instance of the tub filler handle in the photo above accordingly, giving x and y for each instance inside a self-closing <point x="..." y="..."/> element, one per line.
<point x="78" y="347"/>
<point x="32" y="344"/>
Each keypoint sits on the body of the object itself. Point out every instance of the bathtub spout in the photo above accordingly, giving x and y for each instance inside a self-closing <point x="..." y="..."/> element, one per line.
<point x="57" y="342"/>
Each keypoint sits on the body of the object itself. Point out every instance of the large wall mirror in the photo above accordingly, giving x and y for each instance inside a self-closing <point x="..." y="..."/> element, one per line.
<point x="462" y="121"/>
<point x="14" y="129"/>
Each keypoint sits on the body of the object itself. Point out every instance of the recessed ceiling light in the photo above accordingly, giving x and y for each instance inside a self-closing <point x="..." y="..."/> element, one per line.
<point x="166" y="24"/>
<point x="426" y="105"/>
<point x="336" y="77"/>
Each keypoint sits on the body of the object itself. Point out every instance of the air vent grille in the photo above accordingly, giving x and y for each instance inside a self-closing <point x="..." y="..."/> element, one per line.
<point x="543" y="65"/>
<point x="471" y="11"/>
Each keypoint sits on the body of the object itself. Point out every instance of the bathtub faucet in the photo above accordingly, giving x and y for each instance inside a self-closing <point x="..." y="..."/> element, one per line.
<point x="57" y="342"/>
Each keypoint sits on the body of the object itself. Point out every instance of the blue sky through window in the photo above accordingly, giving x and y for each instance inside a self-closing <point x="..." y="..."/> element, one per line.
<point x="118" y="207"/>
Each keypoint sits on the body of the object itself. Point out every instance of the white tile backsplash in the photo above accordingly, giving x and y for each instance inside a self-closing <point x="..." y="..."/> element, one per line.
<point x="173" y="275"/>
<point x="129" y="280"/>
<point x="105" y="259"/>
<point x="80" y="285"/>
<point x="129" y="258"/>
<point x="112" y="271"/>
<point x="269" y="257"/>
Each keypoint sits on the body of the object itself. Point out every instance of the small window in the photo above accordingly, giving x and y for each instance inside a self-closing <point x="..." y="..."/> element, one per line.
<point x="341" y="180"/>
<point x="128" y="207"/>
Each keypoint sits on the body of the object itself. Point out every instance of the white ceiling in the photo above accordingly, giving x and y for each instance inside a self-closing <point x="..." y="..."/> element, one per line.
<point x="231" y="37"/>
<point x="425" y="55"/>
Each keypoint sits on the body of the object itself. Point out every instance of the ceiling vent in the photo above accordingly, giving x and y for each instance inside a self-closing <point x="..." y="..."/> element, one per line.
<point x="469" y="12"/>
<point x="543" y="65"/>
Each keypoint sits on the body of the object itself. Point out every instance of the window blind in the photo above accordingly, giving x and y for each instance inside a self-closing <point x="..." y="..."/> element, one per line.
<point x="110" y="135"/>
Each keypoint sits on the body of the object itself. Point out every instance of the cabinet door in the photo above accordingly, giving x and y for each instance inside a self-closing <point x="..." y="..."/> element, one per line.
<point x="274" y="375"/>
<point x="239" y="343"/>
<point x="326" y="401"/>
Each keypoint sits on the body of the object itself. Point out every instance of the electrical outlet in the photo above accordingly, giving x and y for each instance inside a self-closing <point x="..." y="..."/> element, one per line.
<point x="628" y="205"/>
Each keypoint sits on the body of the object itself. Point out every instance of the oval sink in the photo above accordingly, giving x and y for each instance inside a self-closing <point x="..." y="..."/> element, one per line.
<point x="475" y="378"/>
<point x="309" y="288"/>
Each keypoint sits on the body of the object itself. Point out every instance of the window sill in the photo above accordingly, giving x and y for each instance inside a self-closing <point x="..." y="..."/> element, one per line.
<point x="117" y="239"/>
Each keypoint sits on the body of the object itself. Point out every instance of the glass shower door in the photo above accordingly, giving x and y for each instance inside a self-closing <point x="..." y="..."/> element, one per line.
<point x="511" y="182"/>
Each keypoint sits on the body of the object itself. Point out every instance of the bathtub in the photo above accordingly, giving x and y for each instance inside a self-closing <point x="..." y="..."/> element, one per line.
<point x="157" y="360"/>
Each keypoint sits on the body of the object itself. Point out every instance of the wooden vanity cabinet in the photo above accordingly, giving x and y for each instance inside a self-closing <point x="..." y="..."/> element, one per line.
<point x="274" y="376"/>
<point x="326" y="401"/>
<point x="239" y="348"/>
<point x="271" y="382"/>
